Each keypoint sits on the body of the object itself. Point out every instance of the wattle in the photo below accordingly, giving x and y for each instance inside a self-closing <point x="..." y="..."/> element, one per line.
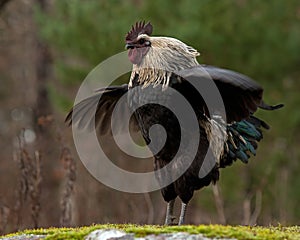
<point x="135" y="55"/>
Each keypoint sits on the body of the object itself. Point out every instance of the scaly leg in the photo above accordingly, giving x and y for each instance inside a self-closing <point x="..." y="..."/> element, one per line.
<point x="169" y="215"/>
<point x="182" y="213"/>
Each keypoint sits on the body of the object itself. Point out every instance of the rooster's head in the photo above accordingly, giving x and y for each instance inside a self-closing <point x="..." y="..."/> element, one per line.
<point x="138" y="41"/>
<point x="146" y="51"/>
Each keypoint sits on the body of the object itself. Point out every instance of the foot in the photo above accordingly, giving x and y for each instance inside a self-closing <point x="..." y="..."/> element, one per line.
<point x="171" y="221"/>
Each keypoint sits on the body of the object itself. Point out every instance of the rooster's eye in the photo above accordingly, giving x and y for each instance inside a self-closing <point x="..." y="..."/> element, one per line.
<point x="142" y="41"/>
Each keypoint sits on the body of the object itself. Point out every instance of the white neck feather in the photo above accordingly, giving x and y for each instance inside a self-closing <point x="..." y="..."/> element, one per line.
<point x="165" y="56"/>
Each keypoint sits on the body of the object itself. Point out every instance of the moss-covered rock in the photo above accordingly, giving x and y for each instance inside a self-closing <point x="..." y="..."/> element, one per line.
<point x="208" y="231"/>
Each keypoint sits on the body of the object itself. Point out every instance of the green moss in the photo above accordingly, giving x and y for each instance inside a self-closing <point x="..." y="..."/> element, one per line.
<point x="238" y="232"/>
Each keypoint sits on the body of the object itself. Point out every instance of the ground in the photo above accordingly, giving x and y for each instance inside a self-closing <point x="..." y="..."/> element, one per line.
<point x="208" y="231"/>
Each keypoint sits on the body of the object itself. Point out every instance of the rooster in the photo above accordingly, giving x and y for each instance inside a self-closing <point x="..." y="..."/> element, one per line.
<point x="164" y="62"/>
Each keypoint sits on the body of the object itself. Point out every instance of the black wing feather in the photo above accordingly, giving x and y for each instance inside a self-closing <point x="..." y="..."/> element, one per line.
<point x="241" y="95"/>
<point x="106" y="100"/>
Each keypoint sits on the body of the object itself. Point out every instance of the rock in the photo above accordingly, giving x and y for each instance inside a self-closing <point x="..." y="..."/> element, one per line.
<point x="24" y="237"/>
<point x="109" y="234"/>
<point x="175" y="236"/>
<point x="114" y="234"/>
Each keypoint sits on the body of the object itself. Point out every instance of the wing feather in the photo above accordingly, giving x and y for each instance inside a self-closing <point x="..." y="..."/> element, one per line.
<point x="241" y="95"/>
<point x="99" y="108"/>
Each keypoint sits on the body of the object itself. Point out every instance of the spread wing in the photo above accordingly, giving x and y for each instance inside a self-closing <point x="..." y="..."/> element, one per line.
<point x="99" y="108"/>
<point x="241" y="95"/>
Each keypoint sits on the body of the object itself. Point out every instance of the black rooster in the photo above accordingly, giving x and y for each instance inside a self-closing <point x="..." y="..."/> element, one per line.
<point x="163" y="62"/>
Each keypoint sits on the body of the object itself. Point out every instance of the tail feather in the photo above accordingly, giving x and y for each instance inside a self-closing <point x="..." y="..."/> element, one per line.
<point x="242" y="139"/>
<point x="265" y="106"/>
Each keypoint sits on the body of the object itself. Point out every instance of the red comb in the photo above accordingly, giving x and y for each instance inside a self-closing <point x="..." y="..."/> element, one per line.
<point x="137" y="29"/>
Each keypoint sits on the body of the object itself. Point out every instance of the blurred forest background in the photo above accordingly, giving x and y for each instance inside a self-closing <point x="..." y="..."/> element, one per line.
<point x="48" y="47"/>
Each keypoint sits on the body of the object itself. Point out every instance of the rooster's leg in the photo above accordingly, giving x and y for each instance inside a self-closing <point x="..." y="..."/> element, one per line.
<point x="169" y="215"/>
<point x="182" y="213"/>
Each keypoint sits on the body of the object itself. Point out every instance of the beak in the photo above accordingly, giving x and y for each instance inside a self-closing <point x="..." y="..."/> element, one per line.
<point x="129" y="45"/>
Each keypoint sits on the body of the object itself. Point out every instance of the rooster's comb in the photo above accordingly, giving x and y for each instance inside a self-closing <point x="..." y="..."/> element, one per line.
<point x="139" y="28"/>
